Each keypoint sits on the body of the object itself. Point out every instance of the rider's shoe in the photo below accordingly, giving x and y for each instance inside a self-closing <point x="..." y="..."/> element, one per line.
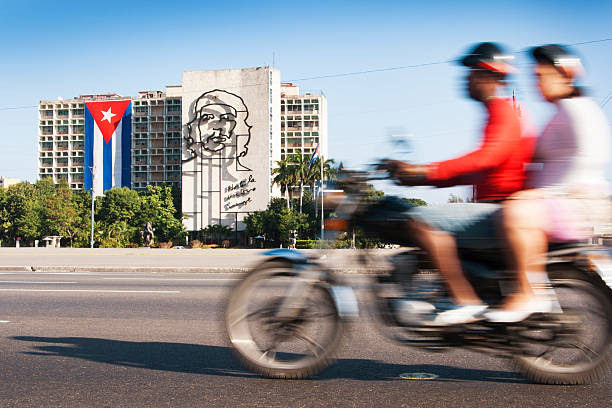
<point x="460" y="314"/>
<point x="536" y="305"/>
<point x="412" y="311"/>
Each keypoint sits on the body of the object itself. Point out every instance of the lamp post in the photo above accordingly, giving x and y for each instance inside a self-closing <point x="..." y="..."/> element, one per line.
<point x="322" y="194"/>
<point x="93" y="198"/>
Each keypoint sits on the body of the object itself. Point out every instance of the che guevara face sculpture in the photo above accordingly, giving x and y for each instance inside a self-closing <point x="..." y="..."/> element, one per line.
<point x="219" y="127"/>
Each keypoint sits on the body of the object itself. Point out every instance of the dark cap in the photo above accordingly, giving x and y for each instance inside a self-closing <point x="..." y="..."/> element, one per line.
<point x="491" y="57"/>
<point x="560" y="57"/>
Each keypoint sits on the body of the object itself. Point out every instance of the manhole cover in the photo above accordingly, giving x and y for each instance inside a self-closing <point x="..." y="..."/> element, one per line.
<point x="418" y="376"/>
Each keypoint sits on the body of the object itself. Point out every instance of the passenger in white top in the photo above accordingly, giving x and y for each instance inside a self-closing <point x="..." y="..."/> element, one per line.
<point x="574" y="148"/>
<point x="570" y="192"/>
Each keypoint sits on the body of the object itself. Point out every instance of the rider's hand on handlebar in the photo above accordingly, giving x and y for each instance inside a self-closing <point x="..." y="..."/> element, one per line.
<point x="407" y="174"/>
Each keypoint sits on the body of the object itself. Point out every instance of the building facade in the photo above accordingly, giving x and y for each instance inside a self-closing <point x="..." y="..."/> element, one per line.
<point x="156" y="139"/>
<point x="61" y="139"/>
<point x="231" y="141"/>
<point x="303" y="122"/>
<point x="217" y="136"/>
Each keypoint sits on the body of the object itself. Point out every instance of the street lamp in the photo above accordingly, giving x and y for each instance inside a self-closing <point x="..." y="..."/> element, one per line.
<point x="93" y="197"/>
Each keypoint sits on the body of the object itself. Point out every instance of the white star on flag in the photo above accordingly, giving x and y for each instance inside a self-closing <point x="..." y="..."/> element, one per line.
<point x="108" y="115"/>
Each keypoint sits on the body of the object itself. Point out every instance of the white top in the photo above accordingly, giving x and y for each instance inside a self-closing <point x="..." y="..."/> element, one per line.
<point x="574" y="148"/>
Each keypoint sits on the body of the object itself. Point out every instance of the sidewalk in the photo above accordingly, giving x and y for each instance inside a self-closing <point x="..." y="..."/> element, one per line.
<point x="153" y="260"/>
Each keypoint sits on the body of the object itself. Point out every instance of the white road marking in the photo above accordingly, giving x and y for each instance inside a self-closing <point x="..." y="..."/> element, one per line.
<point x="36" y="282"/>
<point x="109" y="273"/>
<point x="176" y="279"/>
<point x="4" y="321"/>
<point x="89" y="290"/>
<point x="47" y="273"/>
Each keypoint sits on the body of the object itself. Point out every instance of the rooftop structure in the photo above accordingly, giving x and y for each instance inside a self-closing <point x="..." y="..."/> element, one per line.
<point x="8" y="181"/>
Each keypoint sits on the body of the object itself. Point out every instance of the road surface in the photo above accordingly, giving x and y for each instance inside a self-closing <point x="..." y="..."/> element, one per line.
<point x="157" y="340"/>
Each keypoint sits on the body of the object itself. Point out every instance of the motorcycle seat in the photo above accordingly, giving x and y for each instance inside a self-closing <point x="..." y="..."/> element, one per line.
<point x="558" y="246"/>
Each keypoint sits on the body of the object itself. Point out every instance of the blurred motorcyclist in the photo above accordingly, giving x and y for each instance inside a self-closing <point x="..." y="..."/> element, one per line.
<point x="496" y="168"/>
<point x="570" y="191"/>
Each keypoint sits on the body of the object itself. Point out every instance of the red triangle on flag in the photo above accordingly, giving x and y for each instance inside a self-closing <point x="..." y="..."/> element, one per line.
<point x="107" y="115"/>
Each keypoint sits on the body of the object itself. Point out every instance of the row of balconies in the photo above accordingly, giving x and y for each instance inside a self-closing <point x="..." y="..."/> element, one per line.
<point x="158" y="178"/>
<point x="299" y="128"/>
<point x="298" y="145"/>
<point x="299" y="112"/>
<point x="61" y="164"/>
<point x="145" y="162"/>
<point x="79" y="130"/>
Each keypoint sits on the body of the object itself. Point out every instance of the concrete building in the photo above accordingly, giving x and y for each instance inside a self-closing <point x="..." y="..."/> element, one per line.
<point x="303" y="121"/>
<point x="217" y="136"/>
<point x="8" y="181"/>
<point x="61" y="139"/>
<point x="231" y="140"/>
<point x="156" y="139"/>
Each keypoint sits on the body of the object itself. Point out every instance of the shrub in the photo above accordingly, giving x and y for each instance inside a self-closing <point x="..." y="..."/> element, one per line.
<point x="163" y="245"/>
<point x="305" y="244"/>
<point x="196" y="243"/>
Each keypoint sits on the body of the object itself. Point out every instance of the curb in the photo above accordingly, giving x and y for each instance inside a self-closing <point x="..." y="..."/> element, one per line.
<point x="155" y="269"/>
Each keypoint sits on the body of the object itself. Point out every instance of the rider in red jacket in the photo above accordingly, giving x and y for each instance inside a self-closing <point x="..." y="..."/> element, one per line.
<point x="496" y="168"/>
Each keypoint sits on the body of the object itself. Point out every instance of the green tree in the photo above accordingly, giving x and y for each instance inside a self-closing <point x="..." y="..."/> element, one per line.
<point x="275" y="222"/>
<point x="82" y="202"/>
<point x="117" y="213"/>
<point x="5" y="219"/>
<point x="61" y="213"/>
<point x="24" y="213"/>
<point x="299" y="166"/>
<point x="417" y="202"/>
<point x="374" y="194"/>
<point x="284" y="177"/>
<point x="157" y="206"/>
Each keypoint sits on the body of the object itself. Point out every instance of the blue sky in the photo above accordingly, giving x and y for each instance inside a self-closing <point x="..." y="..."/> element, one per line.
<point x="68" y="48"/>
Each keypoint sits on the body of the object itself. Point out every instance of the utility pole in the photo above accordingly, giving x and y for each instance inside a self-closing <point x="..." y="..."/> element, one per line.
<point x="322" y="194"/>
<point x="93" y="198"/>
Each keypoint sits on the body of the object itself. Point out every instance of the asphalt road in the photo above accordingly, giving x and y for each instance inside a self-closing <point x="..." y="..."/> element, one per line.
<point x="157" y="340"/>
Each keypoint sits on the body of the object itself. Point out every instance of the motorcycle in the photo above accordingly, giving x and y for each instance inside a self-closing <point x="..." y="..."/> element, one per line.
<point x="285" y="319"/>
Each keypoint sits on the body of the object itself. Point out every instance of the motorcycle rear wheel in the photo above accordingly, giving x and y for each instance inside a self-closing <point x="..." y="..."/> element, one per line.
<point x="284" y="348"/>
<point x="587" y="356"/>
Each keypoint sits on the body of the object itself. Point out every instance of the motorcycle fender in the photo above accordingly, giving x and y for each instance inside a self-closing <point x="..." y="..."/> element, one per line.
<point x="345" y="300"/>
<point x="290" y="255"/>
<point x="603" y="266"/>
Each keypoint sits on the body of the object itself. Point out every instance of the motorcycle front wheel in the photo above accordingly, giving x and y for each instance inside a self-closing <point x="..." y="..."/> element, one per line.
<point x="584" y="354"/>
<point x="275" y="345"/>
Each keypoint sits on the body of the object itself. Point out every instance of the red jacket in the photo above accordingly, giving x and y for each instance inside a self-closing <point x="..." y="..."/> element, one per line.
<point x="497" y="167"/>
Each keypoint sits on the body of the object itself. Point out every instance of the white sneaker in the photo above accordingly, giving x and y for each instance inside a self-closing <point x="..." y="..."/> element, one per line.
<point x="460" y="315"/>
<point x="412" y="311"/>
<point x="535" y="305"/>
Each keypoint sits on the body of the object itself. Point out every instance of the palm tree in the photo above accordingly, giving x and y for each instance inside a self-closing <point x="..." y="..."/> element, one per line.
<point x="299" y="164"/>
<point x="284" y="177"/>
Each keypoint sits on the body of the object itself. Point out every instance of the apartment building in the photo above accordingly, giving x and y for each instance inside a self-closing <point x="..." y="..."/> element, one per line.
<point x="61" y="138"/>
<point x="303" y="121"/>
<point x="292" y="123"/>
<point x="156" y="139"/>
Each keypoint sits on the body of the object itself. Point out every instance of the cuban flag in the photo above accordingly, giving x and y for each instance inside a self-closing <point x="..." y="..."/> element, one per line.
<point x="108" y="128"/>
<point x="314" y="156"/>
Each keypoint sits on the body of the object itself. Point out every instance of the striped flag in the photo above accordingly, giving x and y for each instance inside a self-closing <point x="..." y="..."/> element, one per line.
<point x="108" y="128"/>
<point x="314" y="156"/>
